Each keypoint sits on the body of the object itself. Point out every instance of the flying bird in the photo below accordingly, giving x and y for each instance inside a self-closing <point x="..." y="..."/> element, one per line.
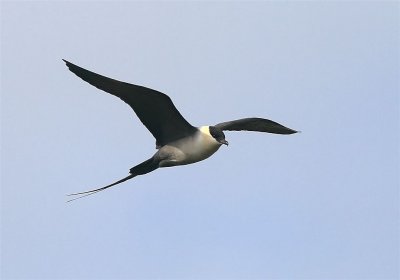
<point x="177" y="141"/>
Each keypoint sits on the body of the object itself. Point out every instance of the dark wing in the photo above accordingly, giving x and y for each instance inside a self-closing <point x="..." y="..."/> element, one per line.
<point x="154" y="109"/>
<point x="256" y="124"/>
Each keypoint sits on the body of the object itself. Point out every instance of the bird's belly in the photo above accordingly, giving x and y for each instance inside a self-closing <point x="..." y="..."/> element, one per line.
<point x="183" y="152"/>
<point x="194" y="153"/>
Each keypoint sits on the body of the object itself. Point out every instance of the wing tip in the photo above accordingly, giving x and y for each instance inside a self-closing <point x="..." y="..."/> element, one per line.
<point x="292" y="131"/>
<point x="69" y="64"/>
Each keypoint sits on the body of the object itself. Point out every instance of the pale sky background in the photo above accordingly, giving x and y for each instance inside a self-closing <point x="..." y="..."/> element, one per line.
<point x="323" y="204"/>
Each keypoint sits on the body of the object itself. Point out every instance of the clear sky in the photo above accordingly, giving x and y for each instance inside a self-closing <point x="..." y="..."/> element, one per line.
<point x="322" y="204"/>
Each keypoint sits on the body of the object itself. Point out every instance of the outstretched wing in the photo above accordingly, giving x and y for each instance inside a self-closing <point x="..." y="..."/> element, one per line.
<point x="256" y="124"/>
<point x="154" y="109"/>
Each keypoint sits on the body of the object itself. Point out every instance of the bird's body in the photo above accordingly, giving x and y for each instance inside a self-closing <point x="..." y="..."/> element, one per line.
<point x="188" y="150"/>
<point x="177" y="141"/>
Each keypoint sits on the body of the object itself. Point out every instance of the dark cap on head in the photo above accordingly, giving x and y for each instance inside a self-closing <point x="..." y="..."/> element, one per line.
<point x="218" y="134"/>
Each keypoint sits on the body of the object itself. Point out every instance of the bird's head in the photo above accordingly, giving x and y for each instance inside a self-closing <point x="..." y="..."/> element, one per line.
<point x="218" y="135"/>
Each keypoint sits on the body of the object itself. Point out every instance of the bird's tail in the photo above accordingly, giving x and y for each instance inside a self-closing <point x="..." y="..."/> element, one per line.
<point x="140" y="169"/>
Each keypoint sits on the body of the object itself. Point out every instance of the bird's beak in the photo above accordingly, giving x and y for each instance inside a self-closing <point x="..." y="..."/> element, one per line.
<point x="224" y="142"/>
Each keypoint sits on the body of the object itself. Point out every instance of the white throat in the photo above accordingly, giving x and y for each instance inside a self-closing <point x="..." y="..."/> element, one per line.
<point x="206" y="130"/>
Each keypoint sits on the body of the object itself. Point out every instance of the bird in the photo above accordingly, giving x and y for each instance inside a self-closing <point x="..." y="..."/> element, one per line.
<point x="177" y="141"/>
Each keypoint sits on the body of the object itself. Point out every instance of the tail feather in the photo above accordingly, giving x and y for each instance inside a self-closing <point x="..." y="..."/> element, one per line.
<point x="140" y="169"/>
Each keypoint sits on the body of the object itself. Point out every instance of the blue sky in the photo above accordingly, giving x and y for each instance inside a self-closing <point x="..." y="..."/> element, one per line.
<point x="322" y="204"/>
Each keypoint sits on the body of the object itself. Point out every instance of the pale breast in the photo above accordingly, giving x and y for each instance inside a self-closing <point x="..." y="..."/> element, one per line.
<point x="191" y="149"/>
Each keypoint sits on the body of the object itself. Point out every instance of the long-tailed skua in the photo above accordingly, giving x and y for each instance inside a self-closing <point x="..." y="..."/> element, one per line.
<point x="177" y="141"/>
